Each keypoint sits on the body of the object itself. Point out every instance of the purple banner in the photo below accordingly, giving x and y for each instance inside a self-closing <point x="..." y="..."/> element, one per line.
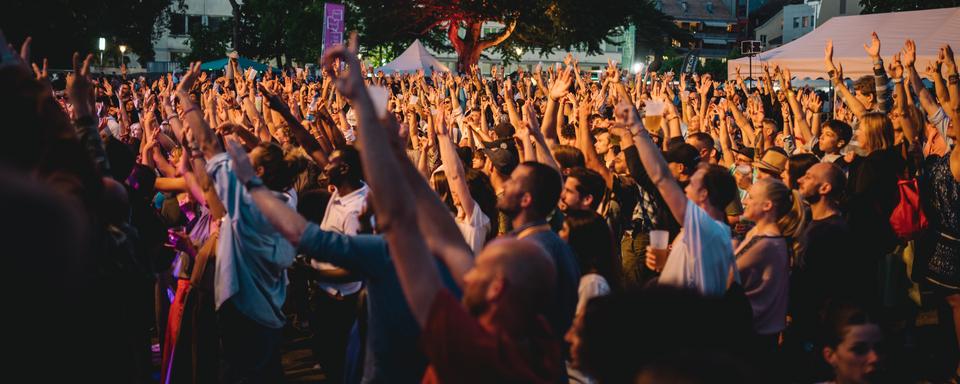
<point x="332" y="24"/>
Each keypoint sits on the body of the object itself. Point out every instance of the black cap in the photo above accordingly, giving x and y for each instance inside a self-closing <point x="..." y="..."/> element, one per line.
<point x="685" y="154"/>
<point x="503" y="159"/>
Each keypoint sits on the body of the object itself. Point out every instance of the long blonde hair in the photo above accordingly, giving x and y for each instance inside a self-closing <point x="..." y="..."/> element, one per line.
<point x="877" y="132"/>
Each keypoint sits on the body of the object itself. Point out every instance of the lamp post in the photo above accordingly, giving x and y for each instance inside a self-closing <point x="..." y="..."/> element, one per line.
<point x="123" y="50"/>
<point x="102" y="44"/>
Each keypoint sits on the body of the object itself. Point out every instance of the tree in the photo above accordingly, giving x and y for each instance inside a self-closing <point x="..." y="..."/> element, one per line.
<point x="283" y="30"/>
<point x="207" y="43"/>
<point x="60" y="27"/>
<point x="881" y="6"/>
<point x="544" y="25"/>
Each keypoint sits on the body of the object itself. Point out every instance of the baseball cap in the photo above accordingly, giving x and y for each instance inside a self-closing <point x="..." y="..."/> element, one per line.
<point x="503" y="159"/>
<point x="685" y="154"/>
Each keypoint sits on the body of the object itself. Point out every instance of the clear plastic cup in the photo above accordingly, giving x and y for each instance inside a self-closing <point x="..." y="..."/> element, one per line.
<point x="659" y="239"/>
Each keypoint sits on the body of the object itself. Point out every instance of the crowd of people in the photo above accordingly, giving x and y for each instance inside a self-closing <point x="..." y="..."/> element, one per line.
<point x="534" y="226"/>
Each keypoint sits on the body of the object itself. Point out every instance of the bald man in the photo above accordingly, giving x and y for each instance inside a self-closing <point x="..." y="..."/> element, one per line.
<point x="826" y="265"/>
<point x="498" y="333"/>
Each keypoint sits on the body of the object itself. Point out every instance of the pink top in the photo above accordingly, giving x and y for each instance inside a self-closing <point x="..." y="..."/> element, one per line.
<point x="764" y="273"/>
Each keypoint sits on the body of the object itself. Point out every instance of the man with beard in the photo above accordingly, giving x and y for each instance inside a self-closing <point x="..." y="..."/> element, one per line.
<point x="583" y="190"/>
<point x="825" y="268"/>
<point x="529" y="196"/>
<point x="334" y="304"/>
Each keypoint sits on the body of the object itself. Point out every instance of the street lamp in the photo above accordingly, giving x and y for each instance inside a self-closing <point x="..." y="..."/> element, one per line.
<point x="123" y="50"/>
<point x="102" y="44"/>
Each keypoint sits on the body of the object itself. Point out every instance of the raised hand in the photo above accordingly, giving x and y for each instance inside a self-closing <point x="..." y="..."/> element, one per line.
<point x="828" y="57"/>
<point x="41" y="73"/>
<point x="241" y="162"/>
<point x="895" y="68"/>
<point x="79" y="85"/>
<point x="350" y="84"/>
<point x="626" y="116"/>
<point x="188" y="78"/>
<point x="948" y="59"/>
<point x="561" y="85"/>
<point x="273" y="100"/>
<point x="874" y="48"/>
<point x="909" y="53"/>
<point x="705" y="85"/>
<point x="814" y="103"/>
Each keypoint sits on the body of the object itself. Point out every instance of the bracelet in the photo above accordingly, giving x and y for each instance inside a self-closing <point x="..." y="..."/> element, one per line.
<point x="953" y="79"/>
<point x="188" y="110"/>
<point x="896" y="80"/>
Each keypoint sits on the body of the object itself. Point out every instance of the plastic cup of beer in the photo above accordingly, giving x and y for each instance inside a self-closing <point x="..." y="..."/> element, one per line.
<point x="658" y="243"/>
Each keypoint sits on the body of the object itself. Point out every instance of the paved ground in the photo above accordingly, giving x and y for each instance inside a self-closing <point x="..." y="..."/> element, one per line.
<point x="298" y="361"/>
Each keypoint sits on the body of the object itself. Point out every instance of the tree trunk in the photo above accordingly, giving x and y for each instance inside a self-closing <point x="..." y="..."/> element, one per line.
<point x="236" y="25"/>
<point x="470" y="46"/>
<point x="465" y="59"/>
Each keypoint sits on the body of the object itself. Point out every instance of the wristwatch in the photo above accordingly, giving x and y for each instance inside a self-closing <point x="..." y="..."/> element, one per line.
<point x="254" y="183"/>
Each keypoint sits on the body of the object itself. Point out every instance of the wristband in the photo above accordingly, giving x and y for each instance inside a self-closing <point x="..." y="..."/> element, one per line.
<point x="896" y="80"/>
<point x="188" y="110"/>
<point x="953" y="79"/>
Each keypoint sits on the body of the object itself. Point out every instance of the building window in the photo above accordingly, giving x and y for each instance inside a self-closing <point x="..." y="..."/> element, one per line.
<point x="796" y="22"/>
<point x="843" y="7"/>
<point x="178" y="24"/>
<point x="763" y="39"/>
<point x="806" y="21"/>
<point x="194" y="22"/>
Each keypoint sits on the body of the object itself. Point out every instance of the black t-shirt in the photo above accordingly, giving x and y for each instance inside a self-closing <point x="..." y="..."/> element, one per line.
<point x="825" y="267"/>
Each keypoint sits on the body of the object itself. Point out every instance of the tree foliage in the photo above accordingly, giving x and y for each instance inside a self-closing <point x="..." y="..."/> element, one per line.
<point x="881" y="6"/>
<point x="60" y="27"/>
<point x="207" y="43"/>
<point x="543" y="25"/>
<point x="283" y="30"/>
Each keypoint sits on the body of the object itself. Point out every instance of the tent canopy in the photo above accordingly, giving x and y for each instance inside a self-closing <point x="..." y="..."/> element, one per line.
<point x="414" y="58"/>
<point x="930" y="29"/>
<point x="243" y="62"/>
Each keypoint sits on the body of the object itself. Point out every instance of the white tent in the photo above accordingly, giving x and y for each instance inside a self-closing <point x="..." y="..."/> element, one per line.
<point x="930" y="29"/>
<point x="414" y="58"/>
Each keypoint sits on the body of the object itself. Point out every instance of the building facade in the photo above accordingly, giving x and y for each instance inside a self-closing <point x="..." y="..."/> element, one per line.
<point x="792" y="22"/>
<point x="795" y="20"/>
<point x="712" y="24"/>
<point x="173" y="44"/>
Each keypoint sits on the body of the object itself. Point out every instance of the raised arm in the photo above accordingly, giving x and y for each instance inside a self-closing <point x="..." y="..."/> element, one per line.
<point x="452" y="167"/>
<point x="883" y="94"/>
<point x="396" y="212"/>
<point x="586" y="146"/>
<point x="836" y="76"/>
<point x="559" y="88"/>
<point x="80" y="90"/>
<point x="653" y="161"/>
<point x="202" y="134"/>
<point x="306" y="140"/>
<point x="806" y="135"/>
<point x="283" y="218"/>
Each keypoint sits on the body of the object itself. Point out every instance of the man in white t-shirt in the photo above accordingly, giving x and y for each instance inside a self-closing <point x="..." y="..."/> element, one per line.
<point x="701" y="258"/>
<point x="334" y="305"/>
